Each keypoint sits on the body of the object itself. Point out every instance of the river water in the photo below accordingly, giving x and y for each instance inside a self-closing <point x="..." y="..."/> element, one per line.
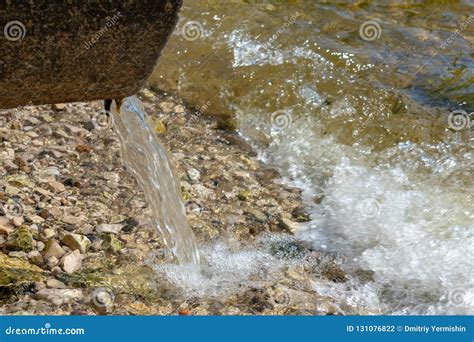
<point x="365" y="105"/>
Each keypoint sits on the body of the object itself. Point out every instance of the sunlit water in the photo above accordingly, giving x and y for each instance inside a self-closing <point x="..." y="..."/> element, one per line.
<point x="147" y="161"/>
<point x="360" y="121"/>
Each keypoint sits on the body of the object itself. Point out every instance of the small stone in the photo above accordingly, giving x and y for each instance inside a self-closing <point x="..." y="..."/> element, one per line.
<point x="55" y="284"/>
<point x="21" y="161"/>
<point x="47" y="118"/>
<point x="32" y="121"/>
<point x="5" y="230"/>
<point x="244" y="195"/>
<point x="53" y="249"/>
<point x="111" y="243"/>
<point x="48" y="233"/>
<point x="42" y="192"/>
<point x="39" y="246"/>
<point x="109" y="228"/>
<point x="20" y="240"/>
<point x="76" y="241"/>
<point x="59" y="107"/>
<point x="35" y="257"/>
<point x="299" y="214"/>
<point x="148" y="93"/>
<point x="226" y="123"/>
<point x="60" y="133"/>
<point x="10" y="166"/>
<point x="55" y="212"/>
<point x="11" y="190"/>
<point x="44" y="214"/>
<point x="179" y="109"/>
<point x="71" y="262"/>
<point x="160" y="128"/>
<point x="83" y="148"/>
<point x="19" y="255"/>
<point x="17" y="221"/>
<point x="55" y="154"/>
<point x="51" y="262"/>
<point x="75" y="130"/>
<point x="39" y="285"/>
<point x="256" y="214"/>
<point x="20" y="181"/>
<point x="59" y="296"/>
<point x="193" y="174"/>
<point x="73" y="220"/>
<point x="35" y="219"/>
<point x="167" y="107"/>
<point x="288" y="225"/>
<point x="56" y="186"/>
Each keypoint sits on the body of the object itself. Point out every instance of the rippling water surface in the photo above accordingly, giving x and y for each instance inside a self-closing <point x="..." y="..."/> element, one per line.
<point x="368" y="107"/>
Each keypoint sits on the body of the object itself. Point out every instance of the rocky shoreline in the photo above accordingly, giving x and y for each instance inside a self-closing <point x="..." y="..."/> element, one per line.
<point x="75" y="233"/>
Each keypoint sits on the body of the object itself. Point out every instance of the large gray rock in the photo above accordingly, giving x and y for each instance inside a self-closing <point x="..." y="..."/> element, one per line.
<point x="66" y="51"/>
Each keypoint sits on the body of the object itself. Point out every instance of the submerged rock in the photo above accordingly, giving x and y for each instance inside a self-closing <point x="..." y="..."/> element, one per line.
<point x="58" y="296"/>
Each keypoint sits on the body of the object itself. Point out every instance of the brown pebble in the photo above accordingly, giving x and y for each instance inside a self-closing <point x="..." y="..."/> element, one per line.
<point x="83" y="148"/>
<point x="184" y="312"/>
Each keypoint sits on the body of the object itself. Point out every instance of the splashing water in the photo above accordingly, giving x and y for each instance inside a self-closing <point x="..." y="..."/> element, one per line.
<point x="147" y="161"/>
<point x="363" y="122"/>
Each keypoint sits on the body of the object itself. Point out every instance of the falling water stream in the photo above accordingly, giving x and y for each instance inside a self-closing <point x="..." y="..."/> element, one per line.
<point x="147" y="161"/>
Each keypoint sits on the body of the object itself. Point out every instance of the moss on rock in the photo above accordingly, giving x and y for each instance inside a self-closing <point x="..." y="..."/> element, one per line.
<point x="20" y="240"/>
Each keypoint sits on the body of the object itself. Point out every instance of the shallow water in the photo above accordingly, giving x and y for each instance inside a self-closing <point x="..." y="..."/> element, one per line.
<point x="147" y="161"/>
<point x="367" y="106"/>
